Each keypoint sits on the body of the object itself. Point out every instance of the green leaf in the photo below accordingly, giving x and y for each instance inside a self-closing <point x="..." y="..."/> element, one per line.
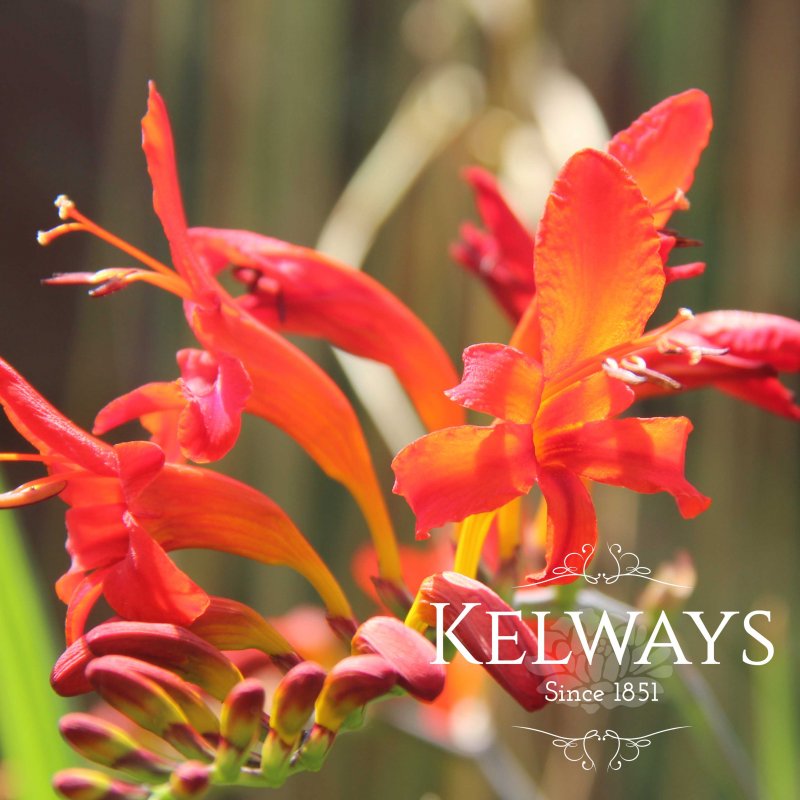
<point x="30" y="744"/>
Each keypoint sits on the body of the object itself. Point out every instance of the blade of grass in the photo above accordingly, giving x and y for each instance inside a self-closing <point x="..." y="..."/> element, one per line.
<point x="30" y="744"/>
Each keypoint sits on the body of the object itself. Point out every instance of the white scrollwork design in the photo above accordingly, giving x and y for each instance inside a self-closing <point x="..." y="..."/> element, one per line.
<point x="627" y="565"/>
<point x="626" y="748"/>
<point x="574" y="748"/>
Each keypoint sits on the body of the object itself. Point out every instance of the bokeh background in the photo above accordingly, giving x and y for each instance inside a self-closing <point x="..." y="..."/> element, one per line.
<point x="276" y="104"/>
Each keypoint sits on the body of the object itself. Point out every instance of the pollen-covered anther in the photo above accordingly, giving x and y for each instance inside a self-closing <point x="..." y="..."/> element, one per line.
<point x="695" y="352"/>
<point x="680" y="200"/>
<point x="638" y="366"/>
<point x="613" y="369"/>
<point x="64" y="205"/>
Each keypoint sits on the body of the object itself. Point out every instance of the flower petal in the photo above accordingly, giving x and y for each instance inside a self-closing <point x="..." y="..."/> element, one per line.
<point x="47" y="429"/>
<point x="763" y="338"/>
<point x="646" y="455"/>
<point x="661" y="148"/>
<point x="146" y="586"/>
<point x="503" y="256"/>
<point x="500" y="381"/>
<point x="450" y="474"/>
<point x="292" y="392"/>
<point x="216" y="391"/>
<point x="311" y="294"/>
<point x="159" y="151"/>
<point x="188" y="507"/>
<point x="594" y="397"/>
<point x="599" y="274"/>
<point x="571" y="526"/>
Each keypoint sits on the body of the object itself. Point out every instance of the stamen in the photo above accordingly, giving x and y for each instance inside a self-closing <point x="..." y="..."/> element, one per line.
<point x="64" y="206"/>
<point x="696" y="352"/>
<point x="67" y="210"/>
<point x="45" y="237"/>
<point x="610" y="364"/>
<point x="115" y="278"/>
<point x="638" y="366"/>
<point x="612" y="368"/>
<point x="26" y="457"/>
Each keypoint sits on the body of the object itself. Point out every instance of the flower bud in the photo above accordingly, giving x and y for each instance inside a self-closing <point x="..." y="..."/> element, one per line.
<point x="110" y="746"/>
<point x="87" y="784"/>
<point x="292" y="704"/>
<point x="491" y="631"/>
<point x="142" y="700"/>
<point x="410" y="654"/>
<point x="190" y="781"/>
<point x="351" y="684"/>
<point x="168" y="646"/>
<point x="190" y="700"/>
<point x="240" y="725"/>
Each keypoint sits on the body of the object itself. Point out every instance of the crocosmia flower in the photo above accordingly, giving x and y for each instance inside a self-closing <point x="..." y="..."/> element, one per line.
<point x="660" y="150"/>
<point x="599" y="278"/>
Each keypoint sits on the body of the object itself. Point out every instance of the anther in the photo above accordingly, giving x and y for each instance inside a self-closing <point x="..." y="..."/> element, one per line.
<point x="638" y="366"/>
<point x="64" y="206"/>
<point x="680" y="200"/>
<point x="612" y="368"/>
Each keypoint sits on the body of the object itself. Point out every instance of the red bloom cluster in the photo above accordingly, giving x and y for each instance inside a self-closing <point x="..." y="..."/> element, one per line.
<point x="581" y="292"/>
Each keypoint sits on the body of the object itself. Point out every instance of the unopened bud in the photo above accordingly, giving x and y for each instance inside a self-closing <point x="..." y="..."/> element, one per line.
<point x="240" y="726"/>
<point x="87" y="784"/>
<point x="110" y="746"/>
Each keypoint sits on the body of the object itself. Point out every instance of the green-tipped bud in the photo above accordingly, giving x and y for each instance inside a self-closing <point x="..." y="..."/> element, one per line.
<point x="190" y="781"/>
<point x="315" y="749"/>
<point x="87" y="784"/>
<point x="148" y="705"/>
<point x="110" y="746"/>
<point x="240" y="726"/>
<point x="292" y="704"/>
<point x="351" y="684"/>
<point x="191" y="701"/>
<point x="294" y="699"/>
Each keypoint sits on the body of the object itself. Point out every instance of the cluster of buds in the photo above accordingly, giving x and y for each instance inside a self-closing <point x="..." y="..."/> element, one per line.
<point x="179" y="690"/>
<point x="580" y="291"/>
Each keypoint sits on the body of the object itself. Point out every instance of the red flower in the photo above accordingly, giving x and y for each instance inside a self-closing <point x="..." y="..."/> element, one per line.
<point x="737" y="352"/>
<point x="660" y="150"/>
<point x="128" y="508"/>
<point x="599" y="278"/>
<point x="249" y="365"/>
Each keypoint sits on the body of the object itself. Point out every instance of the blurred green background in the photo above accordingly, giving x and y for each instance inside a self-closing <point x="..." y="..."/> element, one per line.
<point x="275" y="104"/>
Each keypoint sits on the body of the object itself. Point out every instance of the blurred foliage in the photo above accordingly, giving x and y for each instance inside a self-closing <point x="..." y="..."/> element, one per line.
<point x="275" y="104"/>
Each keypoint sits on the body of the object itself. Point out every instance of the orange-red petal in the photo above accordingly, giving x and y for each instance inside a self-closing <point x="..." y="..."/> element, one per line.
<point x="146" y="586"/>
<point x="501" y="256"/>
<point x="298" y="290"/>
<point x="500" y="381"/>
<point x="191" y="507"/>
<point x="661" y="148"/>
<point x="47" y="429"/>
<point x="450" y="474"/>
<point x="159" y="151"/>
<point x="646" y="455"/>
<point x="599" y="274"/>
<point x="594" y="397"/>
<point x="292" y="392"/>
<point x="571" y="526"/>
